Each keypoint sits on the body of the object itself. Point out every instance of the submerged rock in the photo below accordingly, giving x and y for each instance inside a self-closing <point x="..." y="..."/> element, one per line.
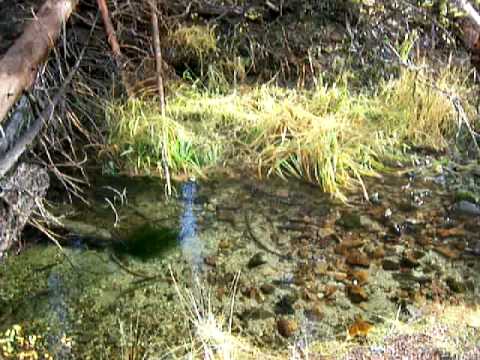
<point x="315" y="313"/>
<point x="267" y="289"/>
<point x="466" y="208"/>
<point x="357" y="294"/>
<point x="409" y="260"/>
<point x="287" y="327"/>
<point x="390" y="265"/>
<point x="357" y="258"/>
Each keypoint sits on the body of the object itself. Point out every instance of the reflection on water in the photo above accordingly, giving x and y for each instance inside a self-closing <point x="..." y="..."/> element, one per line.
<point x="59" y="320"/>
<point x="190" y="244"/>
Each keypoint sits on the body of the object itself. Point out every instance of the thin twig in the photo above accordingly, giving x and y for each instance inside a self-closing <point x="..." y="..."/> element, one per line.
<point x="9" y="159"/>
<point x="160" y="88"/>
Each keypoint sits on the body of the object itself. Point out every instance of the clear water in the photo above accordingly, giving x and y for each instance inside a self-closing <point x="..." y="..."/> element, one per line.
<point x="111" y="304"/>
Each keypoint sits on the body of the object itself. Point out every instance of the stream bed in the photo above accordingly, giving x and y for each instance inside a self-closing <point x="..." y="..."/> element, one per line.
<point x="307" y="266"/>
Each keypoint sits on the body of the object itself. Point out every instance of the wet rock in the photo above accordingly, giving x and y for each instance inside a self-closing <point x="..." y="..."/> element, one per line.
<point x="473" y="248"/>
<point x="455" y="285"/>
<point x="375" y="198"/>
<point x="257" y="260"/>
<point x="390" y="265"/>
<point x="397" y="229"/>
<point x="224" y="244"/>
<point x="387" y="214"/>
<point x="349" y="221"/>
<point x="267" y="289"/>
<point x="287" y="327"/>
<point x="357" y="294"/>
<point x="307" y="295"/>
<point x="226" y="215"/>
<point x="325" y="232"/>
<point x="466" y="208"/>
<point x="357" y="258"/>
<point x="338" y="276"/>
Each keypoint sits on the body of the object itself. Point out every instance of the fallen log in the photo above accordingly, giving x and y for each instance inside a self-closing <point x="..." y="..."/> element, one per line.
<point x="19" y="66"/>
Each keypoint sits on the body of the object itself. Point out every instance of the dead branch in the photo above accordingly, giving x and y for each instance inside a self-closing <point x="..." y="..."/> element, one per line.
<point x="158" y="55"/>
<point x="111" y="37"/>
<point x="160" y="85"/>
<point x="9" y="159"/>
<point x="113" y="41"/>
<point x="18" y="67"/>
<point x="469" y="10"/>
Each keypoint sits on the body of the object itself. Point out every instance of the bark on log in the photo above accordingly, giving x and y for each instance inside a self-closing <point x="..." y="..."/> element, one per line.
<point x="469" y="10"/>
<point x="20" y="195"/>
<point x="18" y="67"/>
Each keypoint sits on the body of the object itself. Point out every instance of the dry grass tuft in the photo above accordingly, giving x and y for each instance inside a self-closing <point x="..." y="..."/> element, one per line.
<point x="330" y="136"/>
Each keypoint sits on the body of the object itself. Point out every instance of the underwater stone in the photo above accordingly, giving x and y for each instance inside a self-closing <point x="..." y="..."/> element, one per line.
<point x="466" y="208"/>
<point x="287" y="327"/>
<point x="390" y="265"/>
<point x="357" y="294"/>
<point x="267" y="289"/>
<point x="409" y="260"/>
<point x="357" y="258"/>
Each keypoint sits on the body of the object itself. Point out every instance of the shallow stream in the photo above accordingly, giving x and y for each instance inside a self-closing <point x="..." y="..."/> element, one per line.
<point x="307" y="265"/>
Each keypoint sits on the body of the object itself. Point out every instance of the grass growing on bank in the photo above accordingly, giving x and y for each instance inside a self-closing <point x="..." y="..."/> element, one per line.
<point x="330" y="135"/>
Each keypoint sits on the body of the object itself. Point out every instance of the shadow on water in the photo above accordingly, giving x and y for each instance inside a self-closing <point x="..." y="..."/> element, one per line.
<point x="147" y="241"/>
